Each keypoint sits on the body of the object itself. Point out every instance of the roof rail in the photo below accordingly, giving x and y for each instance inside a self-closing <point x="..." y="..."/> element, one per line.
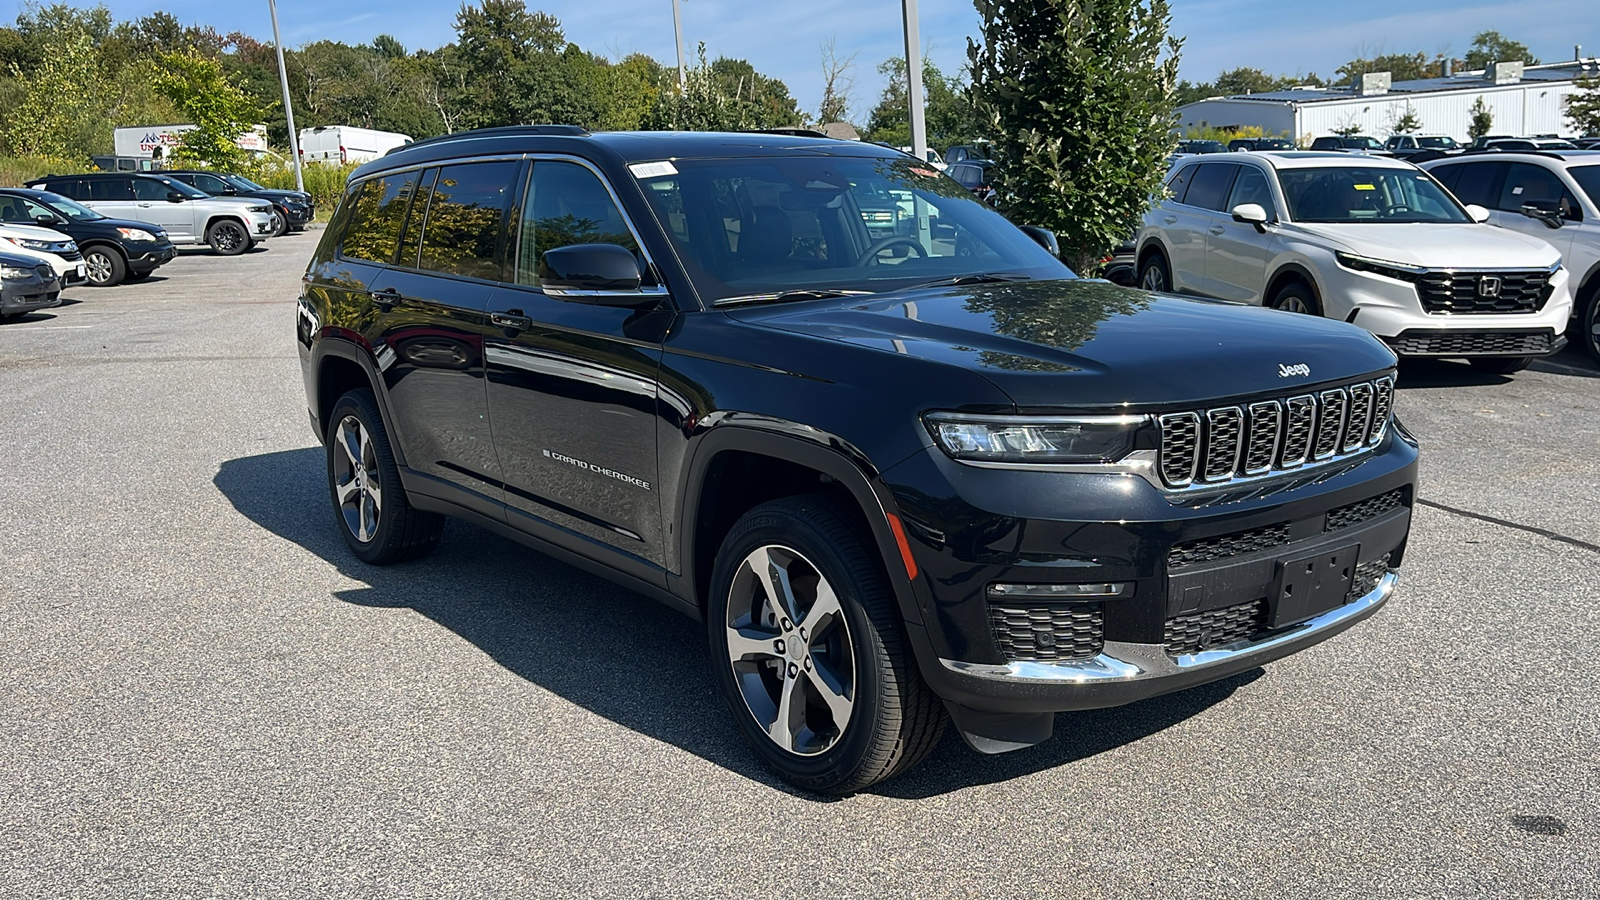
<point x="1496" y="151"/>
<point x="788" y="131"/>
<point x="500" y="131"/>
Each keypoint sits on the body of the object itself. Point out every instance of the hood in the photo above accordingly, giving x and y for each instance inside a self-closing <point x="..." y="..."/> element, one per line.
<point x="32" y="233"/>
<point x="281" y="195"/>
<point x="110" y="224"/>
<point x="1442" y="246"/>
<point x="1084" y="344"/>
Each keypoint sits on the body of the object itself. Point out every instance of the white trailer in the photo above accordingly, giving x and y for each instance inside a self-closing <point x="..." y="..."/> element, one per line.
<point x="339" y="144"/>
<point x="157" y="142"/>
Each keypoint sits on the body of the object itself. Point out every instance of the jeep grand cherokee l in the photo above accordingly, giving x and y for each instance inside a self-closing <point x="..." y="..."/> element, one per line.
<point x="896" y="482"/>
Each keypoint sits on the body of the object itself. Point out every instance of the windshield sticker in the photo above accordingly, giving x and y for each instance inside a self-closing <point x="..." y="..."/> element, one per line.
<point x="652" y="169"/>
<point x="1365" y="187"/>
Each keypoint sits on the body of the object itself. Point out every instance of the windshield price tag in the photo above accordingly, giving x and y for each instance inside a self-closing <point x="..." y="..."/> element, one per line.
<point x="652" y="169"/>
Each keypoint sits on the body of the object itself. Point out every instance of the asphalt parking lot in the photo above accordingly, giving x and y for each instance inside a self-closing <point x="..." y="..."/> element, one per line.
<point x="204" y="695"/>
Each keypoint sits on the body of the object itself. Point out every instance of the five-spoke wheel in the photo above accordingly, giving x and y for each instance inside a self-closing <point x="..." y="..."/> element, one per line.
<point x="358" y="489"/>
<point x="378" y="521"/>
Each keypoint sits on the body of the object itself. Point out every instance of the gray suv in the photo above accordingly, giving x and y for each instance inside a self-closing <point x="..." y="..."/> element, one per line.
<point x="229" y="225"/>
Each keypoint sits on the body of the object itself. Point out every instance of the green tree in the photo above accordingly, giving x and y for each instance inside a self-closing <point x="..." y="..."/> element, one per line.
<point x="1492" y="47"/>
<point x="1583" y="107"/>
<point x="1078" y="97"/>
<point x="55" y="114"/>
<point x="1408" y="122"/>
<point x="1245" y="81"/>
<point x="1482" y="119"/>
<point x="202" y="94"/>
<point x="947" y="109"/>
<point x="1400" y="66"/>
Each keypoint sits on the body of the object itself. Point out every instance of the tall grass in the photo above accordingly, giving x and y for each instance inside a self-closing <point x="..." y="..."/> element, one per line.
<point x="15" y="171"/>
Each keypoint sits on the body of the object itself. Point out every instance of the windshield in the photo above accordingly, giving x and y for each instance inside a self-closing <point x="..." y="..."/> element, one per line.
<point x="69" y="208"/>
<point x="1588" y="178"/>
<point x="753" y="227"/>
<point x="1437" y="143"/>
<point x="242" y="183"/>
<point x="1351" y="194"/>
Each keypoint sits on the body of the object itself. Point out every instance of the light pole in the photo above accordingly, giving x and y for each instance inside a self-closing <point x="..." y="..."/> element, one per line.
<point x="677" y="25"/>
<point x="288" y="108"/>
<point x="919" y="130"/>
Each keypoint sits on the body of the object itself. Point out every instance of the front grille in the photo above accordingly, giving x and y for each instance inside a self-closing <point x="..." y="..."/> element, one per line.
<point x="70" y="255"/>
<point x="1215" y="627"/>
<point x="1483" y="292"/>
<point x="1367" y="576"/>
<point x="1370" y="508"/>
<point x="1271" y="436"/>
<point x="1524" y="342"/>
<point x="1227" y="545"/>
<point x="45" y="272"/>
<point x="1044" y="633"/>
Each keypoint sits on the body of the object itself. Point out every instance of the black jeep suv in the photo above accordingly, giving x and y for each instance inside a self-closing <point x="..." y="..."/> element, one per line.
<point x="896" y="480"/>
<point x="114" y="250"/>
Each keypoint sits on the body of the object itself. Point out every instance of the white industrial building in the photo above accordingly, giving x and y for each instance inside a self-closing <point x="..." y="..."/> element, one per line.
<point x="1524" y="100"/>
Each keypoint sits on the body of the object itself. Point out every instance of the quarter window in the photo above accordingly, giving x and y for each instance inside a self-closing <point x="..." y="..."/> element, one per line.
<point x="377" y="213"/>
<point x="566" y="204"/>
<point x="461" y="229"/>
<point x="1178" y="184"/>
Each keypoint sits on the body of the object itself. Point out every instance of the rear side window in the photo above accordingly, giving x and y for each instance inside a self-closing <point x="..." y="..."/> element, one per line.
<point x="566" y="204"/>
<point x="1479" y="183"/>
<point x="1211" y="185"/>
<point x="110" y="189"/>
<point x="462" y="225"/>
<point x="377" y="214"/>
<point x="967" y="176"/>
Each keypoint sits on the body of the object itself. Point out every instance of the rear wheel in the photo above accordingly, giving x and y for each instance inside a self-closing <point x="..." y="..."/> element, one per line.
<point x="1500" y="365"/>
<point x="810" y="651"/>
<point x="375" y="515"/>
<point x="228" y="238"/>
<point x="104" y="266"/>
<point x="1298" y="298"/>
<point x="1154" y="275"/>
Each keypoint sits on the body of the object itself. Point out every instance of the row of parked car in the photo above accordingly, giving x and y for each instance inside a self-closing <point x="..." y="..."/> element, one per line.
<point x="104" y="229"/>
<point x="1492" y="257"/>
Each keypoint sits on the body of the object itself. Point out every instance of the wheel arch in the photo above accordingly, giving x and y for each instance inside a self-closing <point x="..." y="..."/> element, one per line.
<point x="105" y="242"/>
<point x="341" y="366"/>
<point x="226" y="217"/>
<point x="1286" y="274"/>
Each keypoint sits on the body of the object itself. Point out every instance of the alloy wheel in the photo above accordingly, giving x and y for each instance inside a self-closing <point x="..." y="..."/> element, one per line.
<point x="1153" y="280"/>
<point x="790" y="649"/>
<point x="228" y="238"/>
<point x="98" y="266"/>
<point x="356" y="483"/>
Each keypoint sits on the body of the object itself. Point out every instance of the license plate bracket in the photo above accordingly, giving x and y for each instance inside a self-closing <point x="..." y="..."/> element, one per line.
<point x="1313" y="583"/>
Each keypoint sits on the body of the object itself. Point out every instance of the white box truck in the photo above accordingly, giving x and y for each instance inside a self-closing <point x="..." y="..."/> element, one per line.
<point x="157" y="142"/>
<point x="339" y="144"/>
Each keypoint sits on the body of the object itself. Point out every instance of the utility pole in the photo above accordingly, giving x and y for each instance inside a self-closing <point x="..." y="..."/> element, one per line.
<point x="288" y="108"/>
<point x="677" y="25"/>
<point x="919" y="129"/>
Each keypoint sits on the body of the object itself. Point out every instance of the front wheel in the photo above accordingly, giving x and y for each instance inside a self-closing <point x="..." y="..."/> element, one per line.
<point x="1587" y="323"/>
<point x="1500" y="365"/>
<point x="1154" y="275"/>
<point x="105" y="266"/>
<point x="1297" y="298"/>
<point x="810" y="651"/>
<point x="283" y="224"/>
<point x="228" y="238"/>
<point x="375" y="516"/>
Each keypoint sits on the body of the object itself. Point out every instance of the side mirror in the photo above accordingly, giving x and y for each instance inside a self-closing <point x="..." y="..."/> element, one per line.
<point x="602" y="274"/>
<point x="1251" y="214"/>
<point x="46" y="221"/>
<point x="229" y="192"/>
<point x="1044" y="238"/>
<point x="175" y="197"/>
<point x="1548" y="213"/>
<point x="1478" y="213"/>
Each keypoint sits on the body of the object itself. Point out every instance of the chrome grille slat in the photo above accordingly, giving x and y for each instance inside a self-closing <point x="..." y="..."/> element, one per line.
<point x="1221" y="445"/>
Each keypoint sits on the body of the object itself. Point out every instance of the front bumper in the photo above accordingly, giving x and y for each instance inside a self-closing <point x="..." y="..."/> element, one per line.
<point x="1390" y="309"/>
<point x="20" y="297"/>
<point x="150" y="260"/>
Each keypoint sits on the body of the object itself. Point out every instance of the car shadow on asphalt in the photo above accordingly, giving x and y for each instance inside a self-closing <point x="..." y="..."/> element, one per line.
<point x="616" y="653"/>
<point x="1438" y="373"/>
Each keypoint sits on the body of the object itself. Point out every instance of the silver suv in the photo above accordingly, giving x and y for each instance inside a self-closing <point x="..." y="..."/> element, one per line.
<point x="229" y="225"/>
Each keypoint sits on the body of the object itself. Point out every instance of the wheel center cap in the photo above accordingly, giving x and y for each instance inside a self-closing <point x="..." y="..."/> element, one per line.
<point x="796" y="648"/>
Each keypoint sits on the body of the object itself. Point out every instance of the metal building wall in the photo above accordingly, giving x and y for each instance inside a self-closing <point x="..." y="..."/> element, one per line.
<point x="1272" y="117"/>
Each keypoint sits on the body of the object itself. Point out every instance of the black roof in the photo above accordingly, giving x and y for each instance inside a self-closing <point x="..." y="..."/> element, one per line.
<point x="622" y="146"/>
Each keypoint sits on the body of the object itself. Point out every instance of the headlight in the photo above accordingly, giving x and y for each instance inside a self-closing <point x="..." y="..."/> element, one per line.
<point x="1035" y="439"/>
<point x="69" y="246"/>
<point x="1397" y="271"/>
<point x="136" y="234"/>
<point x="261" y="209"/>
<point x="27" y="244"/>
<point x="12" y="273"/>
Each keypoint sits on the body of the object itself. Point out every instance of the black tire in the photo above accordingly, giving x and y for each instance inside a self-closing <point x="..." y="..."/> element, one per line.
<point x="1154" y="274"/>
<point x="228" y="238"/>
<point x="1500" y="365"/>
<point x="386" y="528"/>
<point x="105" y="266"/>
<point x="283" y="223"/>
<point x="1297" y="296"/>
<point x="1586" y="324"/>
<point x="893" y="721"/>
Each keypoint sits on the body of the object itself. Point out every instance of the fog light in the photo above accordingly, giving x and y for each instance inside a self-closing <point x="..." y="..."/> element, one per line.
<point x="1065" y="592"/>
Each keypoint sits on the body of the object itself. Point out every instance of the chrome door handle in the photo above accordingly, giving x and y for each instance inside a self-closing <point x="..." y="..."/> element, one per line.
<point x="1170" y="220"/>
<point x="511" y="320"/>
<point x="386" y="299"/>
<point x="1216" y="229"/>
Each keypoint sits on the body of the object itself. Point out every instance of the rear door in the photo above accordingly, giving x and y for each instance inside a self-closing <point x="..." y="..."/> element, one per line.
<point x="572" y="385"/>
<point x="112" y="197"/>
<point x="1189" y="224"/>
<point x="1237" y="254"/>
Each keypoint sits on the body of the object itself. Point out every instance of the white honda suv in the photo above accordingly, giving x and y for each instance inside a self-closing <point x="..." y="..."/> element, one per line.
<point x="1363" y="239"/>
<point x="1553" y="196"/>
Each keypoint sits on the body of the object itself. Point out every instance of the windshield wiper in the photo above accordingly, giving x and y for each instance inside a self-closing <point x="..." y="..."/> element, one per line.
<point x="784" y="296"/>
<point x="972" y="278"/>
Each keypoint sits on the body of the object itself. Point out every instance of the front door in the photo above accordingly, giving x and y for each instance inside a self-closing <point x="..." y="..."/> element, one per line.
<point x="1237" y="254"/>
<point x="1525" y="183"/>
<point x="151" y="205"/>
<point x="572" y="385"/>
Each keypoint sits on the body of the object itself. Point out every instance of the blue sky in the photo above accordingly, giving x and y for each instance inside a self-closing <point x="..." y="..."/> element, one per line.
<point x="784" y="39"/>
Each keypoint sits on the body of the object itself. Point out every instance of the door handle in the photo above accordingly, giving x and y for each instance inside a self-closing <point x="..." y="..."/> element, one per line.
<point x="1216" y="229"/>
<point x="511" y="320"/>
<point x="1170" y="220"/>
<point x="386" y="299"/>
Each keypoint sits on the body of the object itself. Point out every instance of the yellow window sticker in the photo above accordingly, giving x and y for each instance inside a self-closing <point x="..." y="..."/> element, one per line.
<point x="1365" y="187"/>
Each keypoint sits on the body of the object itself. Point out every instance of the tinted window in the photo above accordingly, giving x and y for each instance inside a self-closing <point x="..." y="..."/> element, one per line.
<point x="1178" y="184"/>
<point x="1448" y="176"/>
<point x="1211" y="184"/>
<point x="967" y="176"/>
<point x="211" y="184"/>
<point x="110" y="189"/>
<point x="1478" y="183"/>
<point x="461" y="228"/>
<point x="1535" y="184"/>
<point x="1251" y="187"/>
<point x="148" y="189"/>
<point x="566" y="204"/>
<point x="1588" y="178"/>
<point x="21" y="210"/>
<point x="377" y="213"/>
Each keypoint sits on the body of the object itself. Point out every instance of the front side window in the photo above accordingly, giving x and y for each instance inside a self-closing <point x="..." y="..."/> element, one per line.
<point x="149" y="189"/>
<point x="211" y="184"/>
<point x="377" y="214"/>
<point x="465" y="205"/>
<point x="566" y="204"/>
<point x="1536" y="184"/>
<point x="1343" y="194"/>
<point x="1588" y="178"/>
<point x="1251" y="187"/>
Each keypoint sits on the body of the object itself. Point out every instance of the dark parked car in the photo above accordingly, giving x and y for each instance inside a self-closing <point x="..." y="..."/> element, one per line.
<point x="1198" y="146"/>
<point x="974" y="176"/>
<point x="114" y="250"/>
<point x="295" y="209"/>
<point x="966" y="153"/>
<point x="26" y="285"/>
<point x="895" y="487"/>
<point x="1355" y="143"/>
<point x="1257" y="144"/>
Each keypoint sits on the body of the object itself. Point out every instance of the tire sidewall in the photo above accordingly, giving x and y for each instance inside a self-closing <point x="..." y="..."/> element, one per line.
<point x="1588" y="322"/>
<point x="1157" y="262"/>
<point x="837" y="763"/>
<point x="1297" y="289"/>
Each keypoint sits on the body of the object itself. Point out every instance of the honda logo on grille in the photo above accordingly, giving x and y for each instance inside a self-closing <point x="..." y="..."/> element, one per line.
<point x="1489" y="286"/>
